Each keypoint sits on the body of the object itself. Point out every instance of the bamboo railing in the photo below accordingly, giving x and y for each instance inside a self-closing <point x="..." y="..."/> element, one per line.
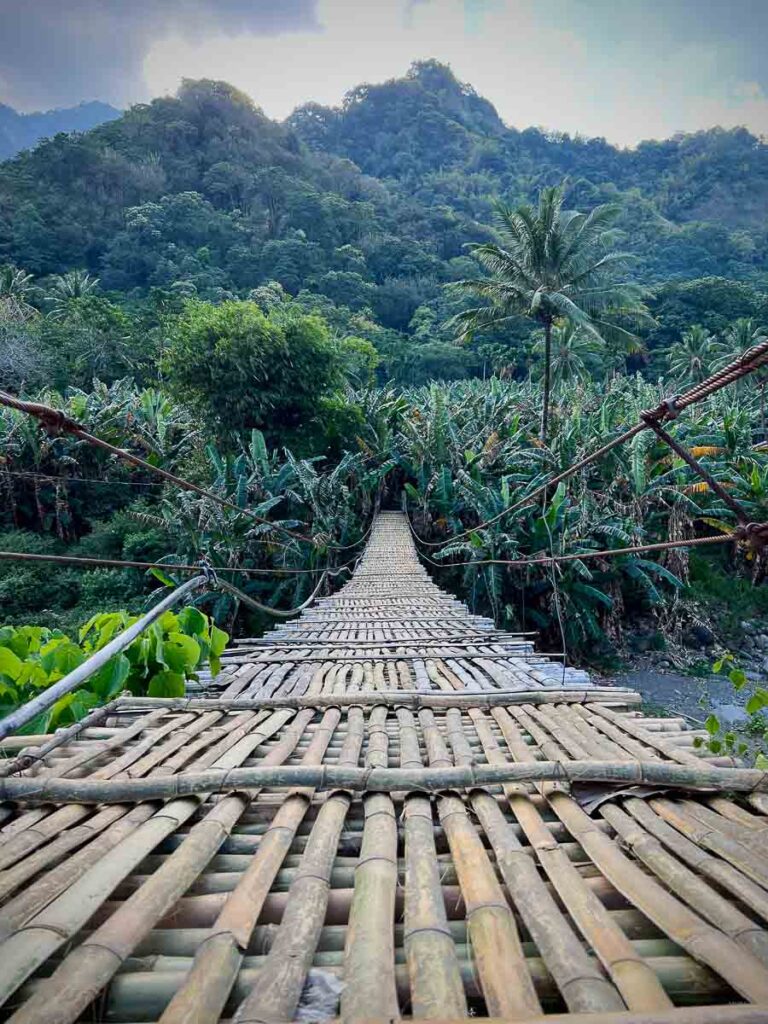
<point x="384" y="808"/>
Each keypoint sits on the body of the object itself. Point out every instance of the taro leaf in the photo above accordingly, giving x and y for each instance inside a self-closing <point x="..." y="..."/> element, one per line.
<point x="33" y="674"/>
<point x="160" y="575"/>
<point x="67" y="657"/>
<point x="10" y="664"/>
<point x="192" y="622"/>
<point x="71" y="707"/>
<point x="218" y="641"/>
<point x="110" y="678"/>
<point x="181" y="653"/>
<point x="48" y="651"/>
<point x="166" y="684"/>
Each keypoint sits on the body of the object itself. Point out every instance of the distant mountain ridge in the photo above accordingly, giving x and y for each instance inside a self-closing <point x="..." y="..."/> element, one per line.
<point x="367" y="206"/>
<point x="22" y="131"/>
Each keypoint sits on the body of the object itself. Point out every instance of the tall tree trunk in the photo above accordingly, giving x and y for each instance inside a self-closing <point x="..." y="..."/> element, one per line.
<point x="547" y="376"/>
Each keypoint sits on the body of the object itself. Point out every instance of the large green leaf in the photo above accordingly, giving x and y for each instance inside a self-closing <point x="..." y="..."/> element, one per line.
<point x="192" y="622"/>
<point x="219" y="640"/>
<point x="181" y="653"/>
<point x="10" y="664"/>
<point x="109" y="680"/>
<point x="167" y="684"/>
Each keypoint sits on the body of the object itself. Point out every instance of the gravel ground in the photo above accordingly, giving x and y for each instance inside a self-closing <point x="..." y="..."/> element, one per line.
<point x="688" y="695"/>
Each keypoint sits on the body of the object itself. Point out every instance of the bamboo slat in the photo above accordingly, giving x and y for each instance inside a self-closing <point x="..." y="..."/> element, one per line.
<point x="373" y="812"/>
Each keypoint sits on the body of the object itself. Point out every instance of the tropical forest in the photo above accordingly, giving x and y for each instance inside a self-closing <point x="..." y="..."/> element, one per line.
<point x="399" y="302"/>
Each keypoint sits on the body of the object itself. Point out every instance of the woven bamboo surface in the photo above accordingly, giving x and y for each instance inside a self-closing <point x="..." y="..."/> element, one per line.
<point x="521" y="901"/>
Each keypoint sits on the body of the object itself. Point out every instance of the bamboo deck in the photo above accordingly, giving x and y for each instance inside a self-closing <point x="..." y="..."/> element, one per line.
<point x="521" y="901"/>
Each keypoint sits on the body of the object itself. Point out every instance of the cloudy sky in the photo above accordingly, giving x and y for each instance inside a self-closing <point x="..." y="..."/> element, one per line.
<point x="624" y="69"/>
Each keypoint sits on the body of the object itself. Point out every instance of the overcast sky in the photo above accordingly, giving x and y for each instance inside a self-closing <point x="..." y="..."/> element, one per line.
<point x="624" y="69"/>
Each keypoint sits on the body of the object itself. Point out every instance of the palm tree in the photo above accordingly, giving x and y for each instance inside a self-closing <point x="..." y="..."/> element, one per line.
<point x="554" y="264"/>
<point x="75" y="284"/>
<point x="691" y="359"/>
<point x="573" y="350"/>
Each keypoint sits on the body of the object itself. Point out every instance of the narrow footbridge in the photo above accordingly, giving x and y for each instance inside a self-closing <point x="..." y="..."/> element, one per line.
<point x="384" y="808"/>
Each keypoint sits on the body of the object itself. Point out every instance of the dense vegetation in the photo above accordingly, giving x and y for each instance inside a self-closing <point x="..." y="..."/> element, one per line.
<point x="265" y="308"/>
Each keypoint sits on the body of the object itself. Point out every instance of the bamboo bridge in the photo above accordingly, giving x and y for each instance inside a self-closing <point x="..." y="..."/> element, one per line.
<point x="384" y="808"/>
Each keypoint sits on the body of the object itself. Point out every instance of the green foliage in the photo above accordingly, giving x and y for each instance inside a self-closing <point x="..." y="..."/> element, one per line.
<point x="157" y="664"/>
<point x="243" y="369"/>
<point x="719" y="739"/>
<point x="368" y="207"/>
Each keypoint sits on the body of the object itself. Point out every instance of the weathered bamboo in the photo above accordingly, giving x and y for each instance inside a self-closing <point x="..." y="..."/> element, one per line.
<point x="741" y="969"/>
<point x="720" y="871"/>
<point x="369" y="956"/>
<point x="385" y="780"/>
<point x="277" y="989"/>
<point x="584" y="988"/>
<point x="435" y="977"/>
<point x="506" y="983"/>
<point x="630" y="973"/>
<point x="612" y="695"/>
<point x="59" y="920"/>
<point x="218" y="959"/>
<point x="723" y="845"/>
<point x="684" y="883"/>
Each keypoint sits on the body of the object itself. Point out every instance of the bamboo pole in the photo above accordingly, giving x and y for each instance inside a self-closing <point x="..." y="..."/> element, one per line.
<point x="369" y="955"/>
<point x="219" y="957"/>
<point x="629" y="971"/>
<point x="584" y="988"/>
<point x="749" y="863"/>
<point x="743" y="971"/>
<point x="721" y="872"/>
<point x="687" y="885"/>
<point x="650" y="773"/>
<point x="506" y="983"/>
<point x="415" y="701"/>
<point x="277" y="988"/>
<point x="60" y="919"/>
<point x="433" y="968"/>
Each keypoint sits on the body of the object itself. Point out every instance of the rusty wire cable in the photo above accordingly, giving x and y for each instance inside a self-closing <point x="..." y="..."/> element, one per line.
<point x="635" y="549"/>
<point x="56" y="422"/>
<point x="115" y="563"/>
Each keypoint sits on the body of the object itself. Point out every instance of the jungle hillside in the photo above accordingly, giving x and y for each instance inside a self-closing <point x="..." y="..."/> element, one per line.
<point x="399" y="296"/>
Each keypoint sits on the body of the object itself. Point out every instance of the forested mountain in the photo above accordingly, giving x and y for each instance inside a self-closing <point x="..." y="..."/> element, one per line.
<point x="204" y="188"/>
<point x="21" y="131"/>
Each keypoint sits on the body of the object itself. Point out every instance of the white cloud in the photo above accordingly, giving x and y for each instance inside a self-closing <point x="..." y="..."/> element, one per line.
<point x="530" y="59"/>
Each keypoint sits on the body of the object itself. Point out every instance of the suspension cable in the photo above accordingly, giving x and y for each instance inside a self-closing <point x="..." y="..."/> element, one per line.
<point x="115" y="563"/>
<point x="635" y="549"/>
<point x="277" y="612"/>
<point x="669" y="409"/>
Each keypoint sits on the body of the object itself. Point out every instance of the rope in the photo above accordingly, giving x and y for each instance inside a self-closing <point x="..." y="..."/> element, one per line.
<point x="669" y="409"/>
<point x="277" y="612"/>
<point x="114" y="563"/>
<point x="56" y="422"/>
<point x="53" y="479"/>
<point x="636" y="549"/>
